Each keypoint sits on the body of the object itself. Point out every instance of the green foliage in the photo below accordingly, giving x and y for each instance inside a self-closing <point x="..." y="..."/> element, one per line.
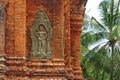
<point x="100" y="43"/>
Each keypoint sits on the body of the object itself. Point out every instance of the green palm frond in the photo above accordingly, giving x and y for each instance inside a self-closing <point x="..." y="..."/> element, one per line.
<point x="110" y="12"/>
<point x="116" y="32"/>
<point x="100" y="42"/>
<point x="98" y="24"/>
<point x="105" y="12"/>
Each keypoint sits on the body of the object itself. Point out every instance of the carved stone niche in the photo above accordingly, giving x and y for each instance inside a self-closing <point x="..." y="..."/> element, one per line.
<point x="41" y="33"/>
<point x="1" y="13"/>
<point x="2" y="34"/>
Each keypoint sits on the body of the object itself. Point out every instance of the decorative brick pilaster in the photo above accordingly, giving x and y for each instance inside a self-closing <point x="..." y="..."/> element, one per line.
<point x="75" y="46"/>
<point x="67" y="52"/>
<point x="20" y="28"/>
<point x="15" y="28"/>
<point x="76" y="18"/>
<point x="15" y="40"/>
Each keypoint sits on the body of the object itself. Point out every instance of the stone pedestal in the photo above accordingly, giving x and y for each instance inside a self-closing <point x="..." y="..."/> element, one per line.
<point x="16" y="68"/>
<point x="47" y="69"/>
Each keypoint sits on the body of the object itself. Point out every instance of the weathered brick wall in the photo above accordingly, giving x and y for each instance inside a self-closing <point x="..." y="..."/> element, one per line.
<point x="16" y="28"/>
<point x="9" y="28"/>
<point x="66" y="21"/>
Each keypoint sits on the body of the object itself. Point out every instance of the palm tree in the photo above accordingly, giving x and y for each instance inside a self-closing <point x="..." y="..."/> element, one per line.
<point x="101" y="40"/>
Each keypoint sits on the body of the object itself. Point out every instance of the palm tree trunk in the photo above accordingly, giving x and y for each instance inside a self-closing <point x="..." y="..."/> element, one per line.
<point x="112" y="65"/>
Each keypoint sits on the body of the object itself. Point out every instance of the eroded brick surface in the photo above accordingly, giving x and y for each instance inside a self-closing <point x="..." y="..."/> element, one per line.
<point x="66" y="21"/>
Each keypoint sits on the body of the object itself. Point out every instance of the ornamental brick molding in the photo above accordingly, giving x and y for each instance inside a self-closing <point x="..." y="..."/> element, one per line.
<point x="40" y="39"/>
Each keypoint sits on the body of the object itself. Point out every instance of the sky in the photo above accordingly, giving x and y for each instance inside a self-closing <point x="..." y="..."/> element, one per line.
<point x="92" y="8"/>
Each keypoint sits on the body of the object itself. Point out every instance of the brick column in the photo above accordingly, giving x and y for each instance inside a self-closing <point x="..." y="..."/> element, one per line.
<point x="15" y="28"/>
<point x="67" y="52"/>
<point x="76" y="18"/>
<point x="75" y="46"/>
<point x="20" y="28"/>
<point x="15" y="39"/>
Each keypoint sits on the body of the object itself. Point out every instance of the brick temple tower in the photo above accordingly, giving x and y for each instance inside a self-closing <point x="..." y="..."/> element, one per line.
<point x="40" y="39"/>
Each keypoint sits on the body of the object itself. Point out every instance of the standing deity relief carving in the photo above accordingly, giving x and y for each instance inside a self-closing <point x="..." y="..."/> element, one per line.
<point x="2" y="11"/>
<point x="41" y="33"/>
